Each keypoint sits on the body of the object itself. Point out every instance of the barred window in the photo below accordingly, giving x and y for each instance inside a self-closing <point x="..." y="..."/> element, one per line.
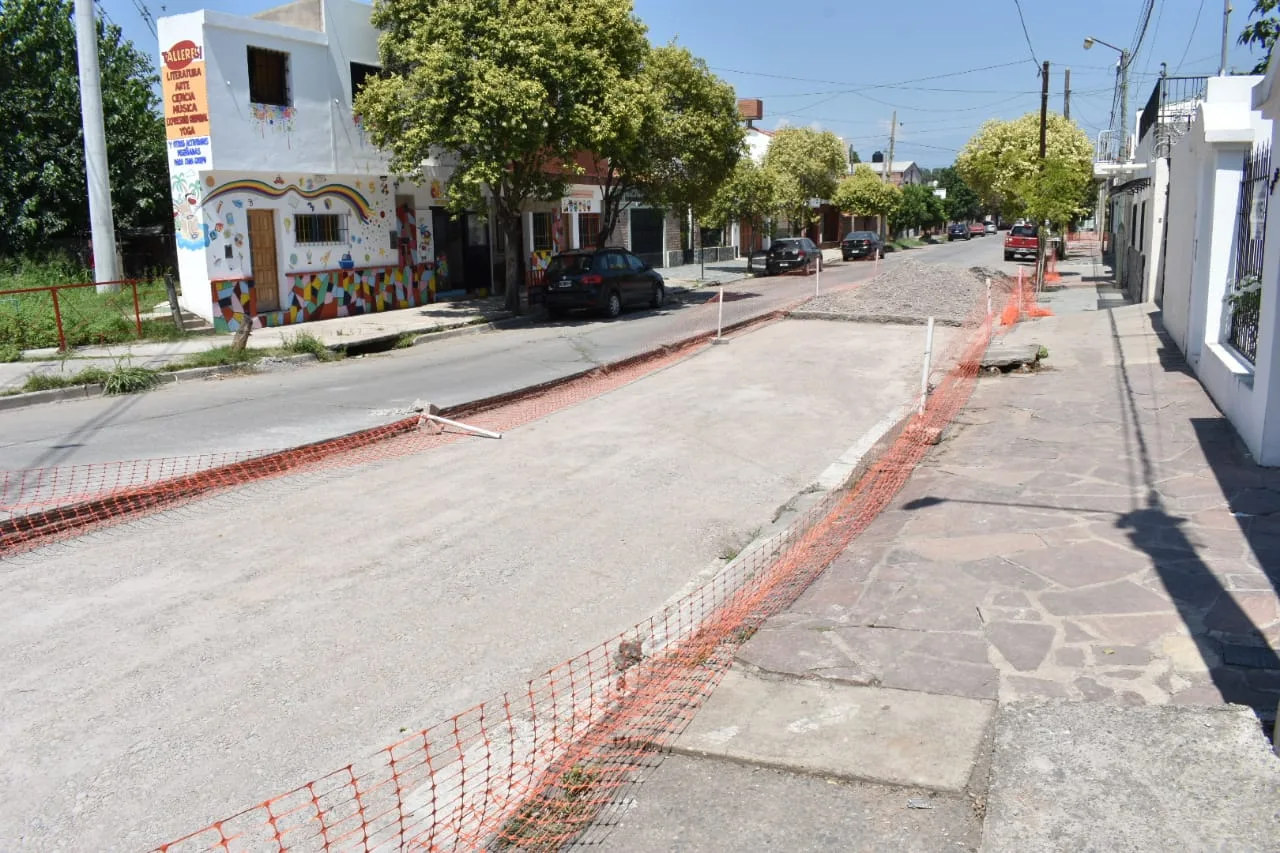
<point x="268" y="77"/>
<point x="312" y="228"/>
<point x="542" y="232"/>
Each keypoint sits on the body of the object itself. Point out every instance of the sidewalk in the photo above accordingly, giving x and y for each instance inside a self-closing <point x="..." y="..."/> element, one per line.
<point x="345" y="331"/>
<point x="1033" y="649"/>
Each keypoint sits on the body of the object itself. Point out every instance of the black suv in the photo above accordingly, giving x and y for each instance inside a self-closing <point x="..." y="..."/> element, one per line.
<point x="861" y="244"/>
<point x="605" y="280"/>
<point x="959" y="231"/>
<point x="792" y="253"/>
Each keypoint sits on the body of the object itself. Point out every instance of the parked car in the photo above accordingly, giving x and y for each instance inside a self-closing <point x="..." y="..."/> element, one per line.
<point x="958" y="231"/>
<point x="1022" y="241"/>
<point x="977" y="229"/>
<point x="861" y="244"/>
<point x="792" y="253"/>
<point x="991" y="228"/>
<point x="605" y="280"/>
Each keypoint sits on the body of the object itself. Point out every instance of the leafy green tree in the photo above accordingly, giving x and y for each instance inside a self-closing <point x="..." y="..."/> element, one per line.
<point x="44" y="193"/>
<point x="962" y="203"/>
<point x="918" y="208"/>
<point x="671" y="132"/>
<point x="806" y="164"/>
<point x="854" y="159"/>
<point x="749" y="195"/>
<point x="1263" y="32"/>
<point x="864" y="193"/>
<point x="1002" y="160"/>
<point x="512" y="89"/>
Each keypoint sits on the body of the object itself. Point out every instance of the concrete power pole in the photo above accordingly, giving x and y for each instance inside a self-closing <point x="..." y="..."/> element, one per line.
<point x="1124" y="104"/>
<point x="105" y="266"/>
<point x="888" y="165"/>
<point x="1226" y="37"/>
<point x="1066" y="94"/>
<point x="1044" y="127"/>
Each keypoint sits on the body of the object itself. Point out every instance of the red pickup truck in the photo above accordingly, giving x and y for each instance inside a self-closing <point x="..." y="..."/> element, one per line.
<point x="1022" y="241"/>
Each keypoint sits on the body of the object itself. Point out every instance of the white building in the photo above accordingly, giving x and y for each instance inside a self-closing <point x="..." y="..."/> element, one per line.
<point x="1218" y="235"/>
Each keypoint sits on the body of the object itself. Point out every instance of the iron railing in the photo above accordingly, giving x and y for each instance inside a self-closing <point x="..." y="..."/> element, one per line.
<point x="1245" y="294"/>
<point x="1170" y="110"/>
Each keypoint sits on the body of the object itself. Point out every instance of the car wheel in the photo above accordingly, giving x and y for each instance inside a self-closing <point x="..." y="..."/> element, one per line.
<point x="613" y="307"/>
<point x="1008" y="257"/>
<point x="659" y="296"/>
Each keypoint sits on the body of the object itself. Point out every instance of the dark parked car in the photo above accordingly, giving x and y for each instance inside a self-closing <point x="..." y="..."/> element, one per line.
<point x="958" y="231"/>
<point x="792" y="253"/>
<point x="605" y="280"/>
<point x="861" y="244"/>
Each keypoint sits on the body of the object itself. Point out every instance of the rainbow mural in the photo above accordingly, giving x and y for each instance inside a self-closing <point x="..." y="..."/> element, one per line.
<point x="248" y="185"/>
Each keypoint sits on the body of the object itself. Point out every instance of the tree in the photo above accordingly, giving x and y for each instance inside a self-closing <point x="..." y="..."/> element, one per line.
<point x="1263" y="32"/>
<point x="864" y="193"/>
<point x="1004" y="156"/>
<point x="918" y="208"/>
<point x="806" y="165"/>
<point x="44" y="194"/>
<point x="853" y="156"/>
<point x="962" y="203"/>
<point x="512" y="89"/>
<point x="671" y="132"/>
<point x="749" y="195"/>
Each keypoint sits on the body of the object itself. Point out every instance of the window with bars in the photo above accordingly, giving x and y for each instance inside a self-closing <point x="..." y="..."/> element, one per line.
<point x="1244" y="295"/>
<point x="542" y="232"/>
<point x="268" y="77"/>
<point x="318" y="228"/>
<point x="588" y="229"/>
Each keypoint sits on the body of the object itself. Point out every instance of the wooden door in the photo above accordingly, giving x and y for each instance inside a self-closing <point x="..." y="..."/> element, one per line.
<point x="262" y="257"/>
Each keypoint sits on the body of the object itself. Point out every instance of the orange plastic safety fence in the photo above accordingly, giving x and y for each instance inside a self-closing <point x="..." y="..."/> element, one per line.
<point x="543" y="767"/>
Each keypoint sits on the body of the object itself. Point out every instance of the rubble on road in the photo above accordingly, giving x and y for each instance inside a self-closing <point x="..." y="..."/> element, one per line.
<point x="907" y="292"/>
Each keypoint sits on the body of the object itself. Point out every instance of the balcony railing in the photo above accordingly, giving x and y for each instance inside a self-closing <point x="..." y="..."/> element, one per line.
<point x="1170" y="110"/>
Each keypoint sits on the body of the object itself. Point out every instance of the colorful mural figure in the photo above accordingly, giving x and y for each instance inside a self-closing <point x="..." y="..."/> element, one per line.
<point x="190" y="230"/>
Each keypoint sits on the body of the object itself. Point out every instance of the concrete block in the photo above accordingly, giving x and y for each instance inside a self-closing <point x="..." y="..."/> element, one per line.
<point x="874" y="734"/>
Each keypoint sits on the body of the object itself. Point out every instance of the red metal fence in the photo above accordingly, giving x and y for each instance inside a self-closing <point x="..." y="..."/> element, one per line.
<point x="74" y="325"/>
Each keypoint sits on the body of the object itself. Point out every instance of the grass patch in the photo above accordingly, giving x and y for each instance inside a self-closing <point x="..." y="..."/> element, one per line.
<point x="217" y="357"/>
<point x="1043" y="353"/>
<point x="908" y="243"/>
<point x="553" y="818"/>
<point x="52" y="381"/>
<point x="305" y="343"/>
<point x="9" y="353"/>
<point x="405" y="340"/>
<point x="127" y="379"/>
<point x="27" y="319"/>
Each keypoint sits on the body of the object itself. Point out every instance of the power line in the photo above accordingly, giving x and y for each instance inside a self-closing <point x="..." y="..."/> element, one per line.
<point x="1155" y="36"/>
<point x="897" y="84"/>
<point x="1195" y="26"/>
<point x="1025" y="33"/>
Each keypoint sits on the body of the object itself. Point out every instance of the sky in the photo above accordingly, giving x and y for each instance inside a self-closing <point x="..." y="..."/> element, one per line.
<point x="945" y="66"/>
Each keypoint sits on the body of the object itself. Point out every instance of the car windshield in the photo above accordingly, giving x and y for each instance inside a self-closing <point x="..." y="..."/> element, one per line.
<point x="1023" y="231"/>
<point x="569" y="265"/>
<point x="861" y="235"/>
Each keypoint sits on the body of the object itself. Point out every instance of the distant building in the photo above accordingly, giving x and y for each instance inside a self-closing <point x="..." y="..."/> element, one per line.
<point x="903" y="173"/>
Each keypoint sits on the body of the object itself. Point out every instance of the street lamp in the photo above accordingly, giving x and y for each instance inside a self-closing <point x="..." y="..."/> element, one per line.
<point x="1124" y="88"/>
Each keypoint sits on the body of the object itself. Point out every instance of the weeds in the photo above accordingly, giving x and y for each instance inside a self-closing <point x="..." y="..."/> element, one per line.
<point x="551" y="819"/>
<point x="405" y="340"/>
<point x="10" y="353"/>
<point x="216" y="357"/>
<point x="1043" y="353"/>
<point x="305" y="343"/>
<point x="130" y="380"/>
<point x="52" y="381"/>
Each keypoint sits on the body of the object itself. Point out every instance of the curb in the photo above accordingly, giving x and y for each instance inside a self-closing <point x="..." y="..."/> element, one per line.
<point x="889" y="319"/>
<point x="54" y="395"/>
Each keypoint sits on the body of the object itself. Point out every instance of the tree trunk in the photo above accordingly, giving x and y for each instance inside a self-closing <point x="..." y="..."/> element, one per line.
<point x="514" y="271"/>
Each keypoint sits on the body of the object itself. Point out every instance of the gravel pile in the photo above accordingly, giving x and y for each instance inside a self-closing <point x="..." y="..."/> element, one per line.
<point x="906" y="292"/>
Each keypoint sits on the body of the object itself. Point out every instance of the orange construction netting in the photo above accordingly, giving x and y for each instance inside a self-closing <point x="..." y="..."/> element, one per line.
<point x="545" y="766"/>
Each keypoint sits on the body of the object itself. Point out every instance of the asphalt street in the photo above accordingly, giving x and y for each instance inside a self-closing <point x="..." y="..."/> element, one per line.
<point x="297" y="405"/>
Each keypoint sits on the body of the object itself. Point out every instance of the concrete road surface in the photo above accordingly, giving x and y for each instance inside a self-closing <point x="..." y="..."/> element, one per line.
<point x="164" y="674"/>
<point x="300" y="405"/>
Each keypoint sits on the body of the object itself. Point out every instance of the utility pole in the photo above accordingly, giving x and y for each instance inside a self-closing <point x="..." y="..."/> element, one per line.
<point x="1226" y="37"/>
<point x="1044" y="106"/>
<point x="888" y="168"/>
<point x="1124" y="104"/>
<point x="102" y="223"/>
<point x="1066" y="94"/>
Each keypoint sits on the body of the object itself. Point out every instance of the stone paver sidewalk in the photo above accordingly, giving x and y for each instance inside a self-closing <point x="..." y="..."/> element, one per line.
<point x="1086" y="568"/>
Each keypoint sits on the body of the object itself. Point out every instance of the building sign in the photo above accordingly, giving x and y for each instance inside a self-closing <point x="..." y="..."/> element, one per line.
<point x="189" y="153"/>
<point x="186" y="98"/>
<point x="579" y="199"/>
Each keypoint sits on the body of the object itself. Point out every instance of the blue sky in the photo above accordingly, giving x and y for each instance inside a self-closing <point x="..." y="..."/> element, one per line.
<point x="844" y="66"/>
